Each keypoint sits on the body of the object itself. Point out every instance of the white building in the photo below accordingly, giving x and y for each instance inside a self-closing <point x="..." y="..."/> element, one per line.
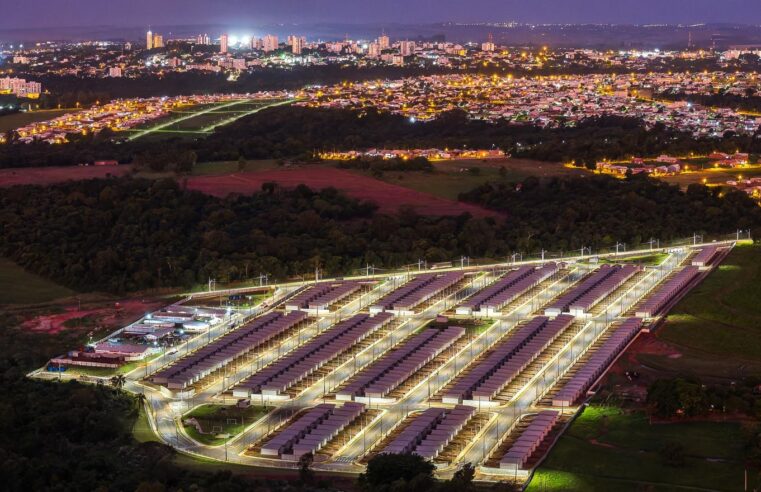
<point x="407" y="48"/>
<point x="20" y="87"/>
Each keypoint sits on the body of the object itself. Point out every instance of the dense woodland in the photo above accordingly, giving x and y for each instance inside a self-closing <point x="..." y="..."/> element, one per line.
<point x="568" y="213"/>
<point x="69" y="90"/>
<point x="295" y="132"/>
<point x="128" y="234"/>
<point x="749" y="102"/>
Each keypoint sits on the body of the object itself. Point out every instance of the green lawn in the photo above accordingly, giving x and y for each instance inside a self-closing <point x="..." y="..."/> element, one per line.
<point x="17" y="286"/>
<point x="607" y="449"/>
<point x="229" y="420"/>
<point x="450" y="178"/>
<point x="16" y="120"/>
<point x="475" y="328"/>
<point x="445" y="184"/>
<point x="227" y="167"/>
<point x="721" y="317"/>
<point x="142" y="430"/>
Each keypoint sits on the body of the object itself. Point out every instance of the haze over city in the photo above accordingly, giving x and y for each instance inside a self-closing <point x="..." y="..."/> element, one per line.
<point x="234" y="13"/>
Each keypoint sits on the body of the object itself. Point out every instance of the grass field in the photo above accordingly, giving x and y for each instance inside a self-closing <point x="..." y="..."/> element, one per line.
<point x="17" y="286"/>
<point x="714" y="333"/>
<point x="453" y="177"/>
<point x="607" y="449"/>
<point x="227" y="167"/>
<point x="218" y="420"/>
<point x="17" y="120"/>
<point x="142" y="430"/>
<point x="200" y="119"/>
<point x="721" y="316"/>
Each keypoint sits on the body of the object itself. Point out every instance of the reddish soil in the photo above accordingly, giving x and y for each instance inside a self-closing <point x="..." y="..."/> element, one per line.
<point x="103" y="317"/>
<point x="388" y="197"/>
<point x="52" y="175"/>
<point x="647" y="343"/>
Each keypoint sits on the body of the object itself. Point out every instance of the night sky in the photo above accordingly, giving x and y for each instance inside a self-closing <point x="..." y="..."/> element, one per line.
<point x="233" y="13"/>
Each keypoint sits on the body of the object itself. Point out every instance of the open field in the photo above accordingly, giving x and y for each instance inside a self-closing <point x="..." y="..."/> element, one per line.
<point x="721" y="316"/>
<point x="715" y="332"/>
<point x="228" y="167"/>
<point x="457" y="176"/>
<point x="223" y="178"/>
<point x="388" y="197"/>
<point x="607" y="449"/>
<point x="51" y="175"/>
<point x="17" y="286"/>
<point x="201" y="119"/>
<point x="17" y="120"/>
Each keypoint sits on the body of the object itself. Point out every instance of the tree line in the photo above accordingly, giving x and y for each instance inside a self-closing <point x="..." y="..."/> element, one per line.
<point x="290" y="132"/>
<point x="128" y="234"/>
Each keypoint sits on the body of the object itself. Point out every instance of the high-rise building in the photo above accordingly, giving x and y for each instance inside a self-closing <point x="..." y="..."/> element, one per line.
<point x="149" y="40"/>
<point x="223" y="40"/>
<point x="297" y="44"/>
<point x="487" y="46"/>
<point x="115" y="72"/>
<point x="384" y="42"/>
<point x="20" y="87"/>
<point x="158" y="41"/>
<point x="374" y="50"/>
<point x="407" y="48"/>
<point x="270" y="43"/>
<point x="203" y="39"/>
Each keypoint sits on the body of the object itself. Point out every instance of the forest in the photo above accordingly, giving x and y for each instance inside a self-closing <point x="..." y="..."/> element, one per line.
<point x="69" y="90"/>
<point x="749" y="102"/>
<point x="130" y="234"/>
<point x="298" y="133"/>
<point x="564" y="214"/>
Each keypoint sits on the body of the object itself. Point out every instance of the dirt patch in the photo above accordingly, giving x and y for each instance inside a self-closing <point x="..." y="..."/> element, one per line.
<point x="528" y="167"/>
<point x="389" y="197"/>
<point x="106" y="316"/>
<point x="52" y="175"/>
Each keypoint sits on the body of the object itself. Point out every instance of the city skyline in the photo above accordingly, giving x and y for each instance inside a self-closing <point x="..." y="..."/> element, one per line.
<point x="236" y="13"/>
